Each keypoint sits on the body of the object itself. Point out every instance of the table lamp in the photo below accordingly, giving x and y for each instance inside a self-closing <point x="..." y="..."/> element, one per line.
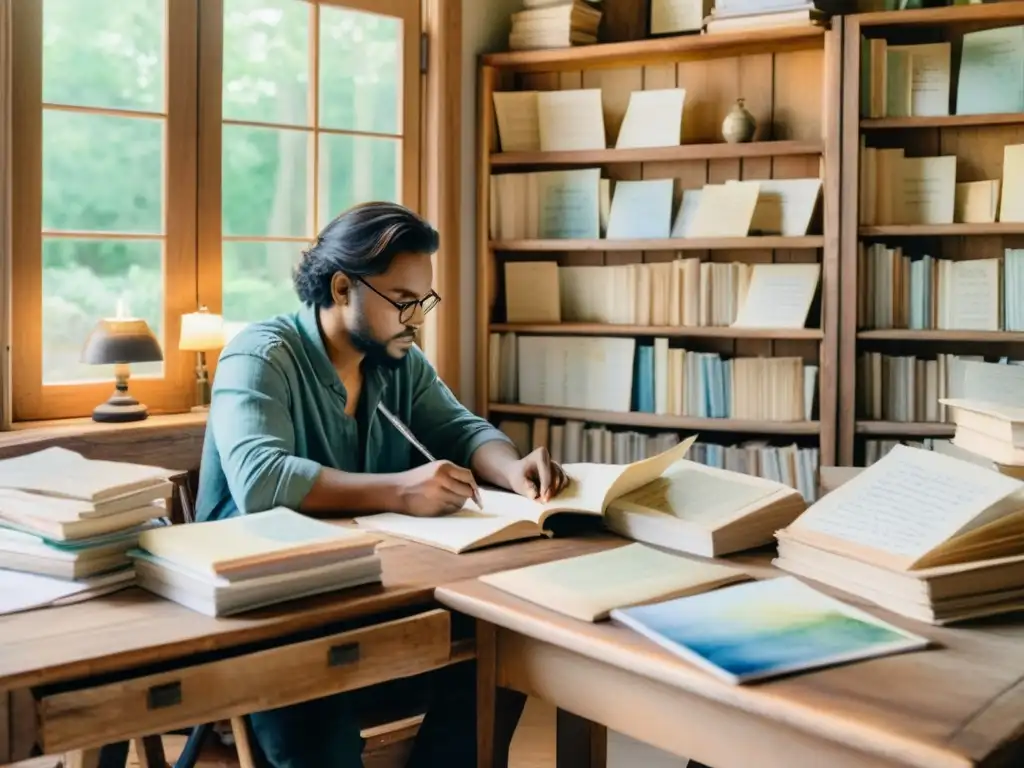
<point x="201" y="332"/>
<point x="120" y="341"/>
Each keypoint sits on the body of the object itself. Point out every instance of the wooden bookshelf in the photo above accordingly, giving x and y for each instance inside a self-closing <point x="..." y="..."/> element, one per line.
<point x="790" y="80"/>
<point x="977" y="141"/>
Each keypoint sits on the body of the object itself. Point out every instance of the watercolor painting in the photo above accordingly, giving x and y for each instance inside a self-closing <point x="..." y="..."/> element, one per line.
<point x="765" y="629"/>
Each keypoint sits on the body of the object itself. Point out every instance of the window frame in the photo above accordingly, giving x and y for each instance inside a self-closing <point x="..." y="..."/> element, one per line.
<point x="192" y="194"/>
<point x="32" y="400"/>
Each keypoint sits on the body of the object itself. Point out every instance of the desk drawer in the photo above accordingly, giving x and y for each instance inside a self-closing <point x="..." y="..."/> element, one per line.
<point x="243" y="684"/>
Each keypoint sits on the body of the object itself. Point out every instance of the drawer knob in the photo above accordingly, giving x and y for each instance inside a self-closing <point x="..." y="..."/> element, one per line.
<point x="162" y="696"/>
<point x="340" y="655"/>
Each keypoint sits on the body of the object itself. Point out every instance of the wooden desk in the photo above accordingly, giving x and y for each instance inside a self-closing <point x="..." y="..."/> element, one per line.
<point x="132" y="664"/>
<point x="955" y="706"/>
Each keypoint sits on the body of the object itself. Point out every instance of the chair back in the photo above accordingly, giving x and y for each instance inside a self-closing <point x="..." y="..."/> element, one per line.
<point x="183" y="503"/>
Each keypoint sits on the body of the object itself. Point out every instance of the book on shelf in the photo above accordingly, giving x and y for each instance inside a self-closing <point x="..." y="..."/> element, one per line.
<point x="906" y="388"/>
<point x="758" y="16"/>
<point x="904" y="80"/>
<point x="228" y="566"/>
<point x="580" y="204"/>
<point x="554" y="25"/>
<point x="765" y="629"/>
<point x="684" y="292"/>
<point x="509" y="517"/>
<point x="620" y="375"/>
<point x="896" y="189"/>
<point x="991" y="78"/>
<point x="991" y="430"/>
<point x="589" y="587"/>
<point x="911" y="520"/>
<point x="921" y="292"/>
<point x="654" y="118"/>
<point x="792" y="465"/>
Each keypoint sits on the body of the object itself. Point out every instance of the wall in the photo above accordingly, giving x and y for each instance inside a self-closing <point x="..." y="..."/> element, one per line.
<point x="485" y="26"/>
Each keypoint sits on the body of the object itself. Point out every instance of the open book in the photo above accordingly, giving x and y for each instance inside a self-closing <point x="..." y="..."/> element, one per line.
<point x="509" y="517"/>
<point x="705" y="510"/>
<point x="915" y="509"/>
<point x="589" y="587"/>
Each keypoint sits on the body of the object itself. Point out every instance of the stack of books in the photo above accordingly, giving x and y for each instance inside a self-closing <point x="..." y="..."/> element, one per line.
<point x="738" y="15"/>
<point x="228" y="566"/>
<point x="992" y="432"/>
<point x="553" y="24"/>
<point x="66" y="517"/>
<point x="923" y="534"/>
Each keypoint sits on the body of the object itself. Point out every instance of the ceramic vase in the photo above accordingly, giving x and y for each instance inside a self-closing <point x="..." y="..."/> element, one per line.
<point x="739" y="125"/>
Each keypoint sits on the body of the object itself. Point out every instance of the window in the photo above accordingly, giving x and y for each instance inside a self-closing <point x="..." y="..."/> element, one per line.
<point x="171" y="153"/>
<point x="319" y="111"/>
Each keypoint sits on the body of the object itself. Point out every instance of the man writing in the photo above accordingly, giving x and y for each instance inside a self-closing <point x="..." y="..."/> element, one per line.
<point x="294" y="422"/>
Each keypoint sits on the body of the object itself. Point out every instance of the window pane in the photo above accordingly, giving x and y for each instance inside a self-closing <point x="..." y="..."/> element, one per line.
<point x="265" y="184"/>
<point x="102" y="173"/>
<point x="266" y="61"/>
<point x="360" y="61"/>
<point x="257" y="279"/>
<point x="355" y="169"/>
<point x="83" y="280"/>
<point x="107" y="54"/>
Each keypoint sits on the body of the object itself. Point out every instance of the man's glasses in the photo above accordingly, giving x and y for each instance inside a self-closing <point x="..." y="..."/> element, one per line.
<point x="407" y="309"/>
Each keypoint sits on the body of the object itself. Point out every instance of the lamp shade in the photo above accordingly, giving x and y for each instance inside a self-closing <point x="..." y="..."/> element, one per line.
<point x="117" y="340"/>
<point x="201" y="331"/>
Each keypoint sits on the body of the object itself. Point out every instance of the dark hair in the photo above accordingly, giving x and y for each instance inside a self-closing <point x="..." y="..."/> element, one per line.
<point x="363" y="240"/>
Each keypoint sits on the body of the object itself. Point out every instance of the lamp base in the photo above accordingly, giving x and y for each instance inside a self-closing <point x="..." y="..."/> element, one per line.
<point x="120" y="408"/>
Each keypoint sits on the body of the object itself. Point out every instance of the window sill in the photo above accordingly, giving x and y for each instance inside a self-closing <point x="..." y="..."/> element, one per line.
<point x="170" y="440"/>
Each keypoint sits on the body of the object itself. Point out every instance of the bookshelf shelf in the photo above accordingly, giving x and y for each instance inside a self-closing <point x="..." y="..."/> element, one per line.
<point x="977" y="141"/>
<point x="788" y="79"/>
<point x="666" y="244"/>
<point x="653" y="51"/>
<point x="977" y="337"/>
<point x="945" y="121"/>
<point x="660" y="421"/>
<point x="681" y="332"/>
<point x="944" y="230"/>
<point x="711" y="151"/>
<point x="905" y="428"/>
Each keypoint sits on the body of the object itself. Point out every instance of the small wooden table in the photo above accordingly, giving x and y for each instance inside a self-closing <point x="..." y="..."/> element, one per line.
<point x="132" y="664"/>
<point x="958" y="705"/>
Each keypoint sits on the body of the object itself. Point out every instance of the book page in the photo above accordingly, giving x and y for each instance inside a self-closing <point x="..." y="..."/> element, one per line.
<point x="587" y="587"/>
<point x="66" y="474"/>
<point x="569" y="203"/>
<point x="518" y="121"/>
<point x="726" y="210"/>
<point x="975" y="298"/>
<point x="693" y="494"/>
<point x="687" y="213"/>
<point x="571" y="120"/>
<point x="673" y="16"/>
<point x="976" y="202"/>
<point x="929" y="79"/>
<point x="784" y="206"/>
<point x="907" y="504"/>
<point x="456" y="533"/>
<point x="641" y="210"/>
<point x="991" y="77"/>
<point x="993" y="382"/>
<point x="779" y="296"/>
<point x="927" y="191"/>
<point x="1011" y="206"/>
<point x="653" y="118"/>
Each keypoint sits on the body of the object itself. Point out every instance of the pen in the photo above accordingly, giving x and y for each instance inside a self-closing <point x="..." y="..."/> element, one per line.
<point x="408" y="435"/>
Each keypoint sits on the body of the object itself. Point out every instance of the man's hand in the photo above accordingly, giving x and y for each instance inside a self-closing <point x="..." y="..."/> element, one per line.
<point x="435" y="489"/>
<point x="537" y="477"/>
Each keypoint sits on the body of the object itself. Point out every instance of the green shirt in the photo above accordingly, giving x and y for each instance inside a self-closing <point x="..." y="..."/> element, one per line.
<point x="277" y="415"/>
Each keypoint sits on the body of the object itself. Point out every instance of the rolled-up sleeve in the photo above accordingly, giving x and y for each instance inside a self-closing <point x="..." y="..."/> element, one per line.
<point x="255" y="435"/>
<point x="447" y="428"/>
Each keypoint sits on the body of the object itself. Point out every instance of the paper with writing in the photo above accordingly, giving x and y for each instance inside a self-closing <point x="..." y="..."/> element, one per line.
<point x="570" y="204"/>
<point x="909" y="503"/>
<point x="779" y="296"/>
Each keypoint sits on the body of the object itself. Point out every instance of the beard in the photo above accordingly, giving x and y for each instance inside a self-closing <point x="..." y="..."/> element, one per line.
<point x="376" y="352"/>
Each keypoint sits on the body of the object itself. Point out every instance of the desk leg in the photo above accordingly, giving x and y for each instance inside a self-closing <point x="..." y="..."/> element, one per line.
<point x="498" y="709"/>
<point x="579" y="743"/>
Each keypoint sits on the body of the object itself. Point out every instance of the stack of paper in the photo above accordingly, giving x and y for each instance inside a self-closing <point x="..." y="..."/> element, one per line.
<point x="737" y="15"/>
<point x="65" y="516"/>
<point x="991" y="431"/>
<point x="234" y="565"/>
<point x="547" y="24"/>
<point x="922" y="534"/>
